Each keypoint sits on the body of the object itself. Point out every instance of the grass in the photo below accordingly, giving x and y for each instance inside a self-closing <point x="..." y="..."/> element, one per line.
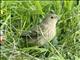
<point x="20" y="16"/>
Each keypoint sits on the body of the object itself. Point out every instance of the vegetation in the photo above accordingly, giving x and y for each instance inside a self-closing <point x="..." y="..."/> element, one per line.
<point x="19" y="16"/>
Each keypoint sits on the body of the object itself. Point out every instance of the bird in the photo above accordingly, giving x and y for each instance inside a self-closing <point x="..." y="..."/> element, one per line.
<point x="43" y="32"/>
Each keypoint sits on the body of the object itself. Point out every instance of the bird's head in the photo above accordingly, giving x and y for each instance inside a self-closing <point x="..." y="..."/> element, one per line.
<point x="52" y="17"/>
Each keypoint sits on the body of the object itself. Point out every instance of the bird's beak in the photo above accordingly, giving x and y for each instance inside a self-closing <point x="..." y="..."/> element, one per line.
<point x="58" y="17"/>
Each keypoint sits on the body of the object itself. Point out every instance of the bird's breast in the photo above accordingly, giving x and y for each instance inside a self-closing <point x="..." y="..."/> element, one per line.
<point x="47" y="33"/>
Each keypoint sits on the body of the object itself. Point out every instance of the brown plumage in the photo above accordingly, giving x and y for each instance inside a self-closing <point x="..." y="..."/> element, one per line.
<point x="43" y="32"/>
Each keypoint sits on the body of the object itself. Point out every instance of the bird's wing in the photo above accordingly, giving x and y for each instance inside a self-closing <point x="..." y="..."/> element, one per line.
<point x="32" y="34"/>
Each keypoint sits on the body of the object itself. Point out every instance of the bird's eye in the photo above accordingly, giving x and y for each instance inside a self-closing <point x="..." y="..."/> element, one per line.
<point x="52" y="17"/>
